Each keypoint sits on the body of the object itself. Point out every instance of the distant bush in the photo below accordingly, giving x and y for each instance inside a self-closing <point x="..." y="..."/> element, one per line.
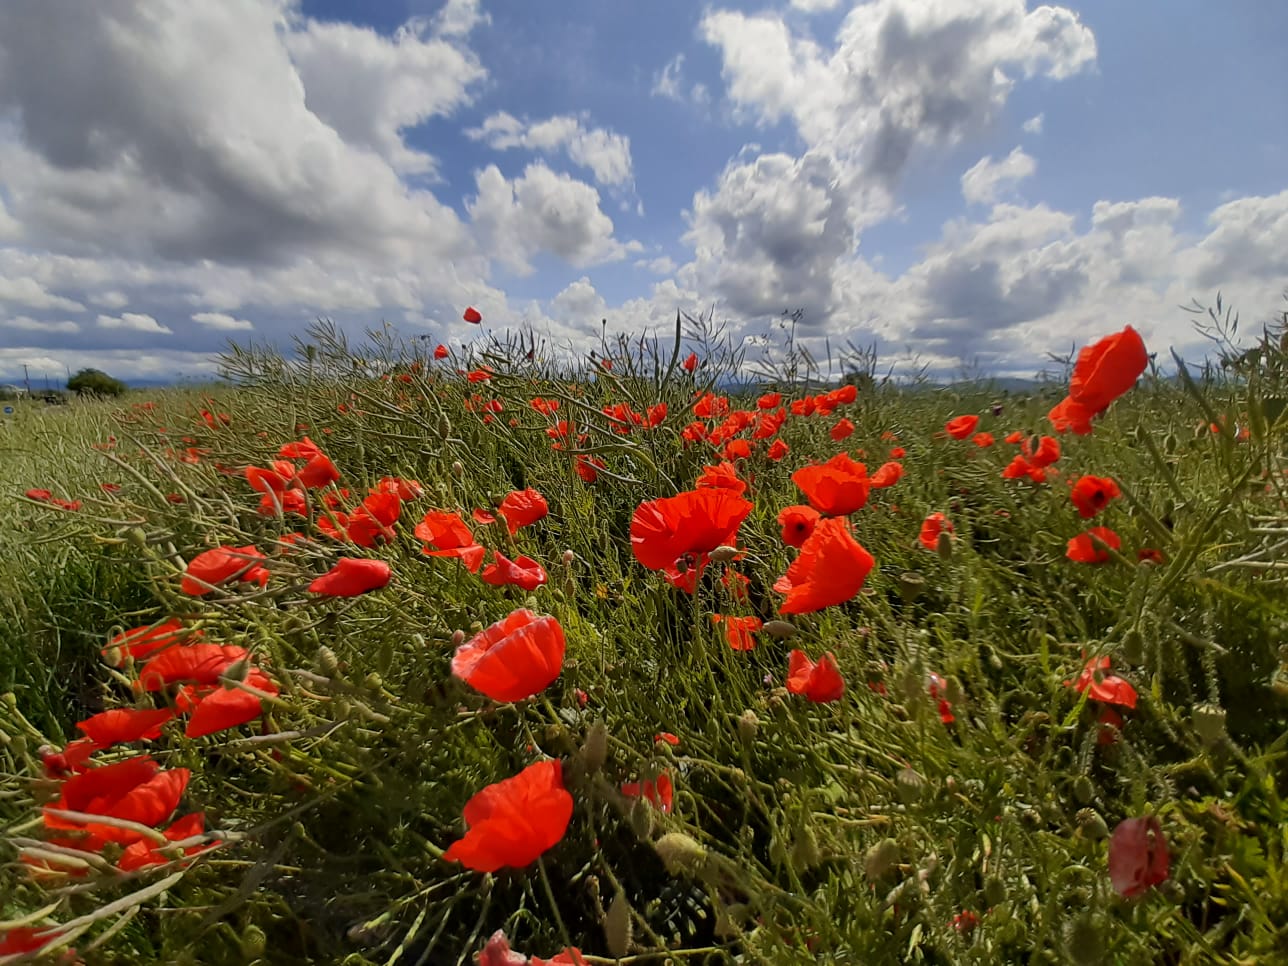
<point x="92" y="382"/>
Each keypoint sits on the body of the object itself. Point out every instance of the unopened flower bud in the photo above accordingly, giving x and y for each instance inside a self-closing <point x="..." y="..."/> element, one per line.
<point x="594" y="752"/>
<point x="235" y="672"/>
<point x="778" y="630"/>
<point x="1084" y="789"/>
<point x="642" y="819"/>
<point x="458" y="469"/>
<point x="680" y="853"/>
<point x="458" y="637"/>
<point x="748" y="725"/>
<point x="444" y="426"/>
<point x="617" y="927"/>
<point x="944" y="545"/>
<point x="568" y="558"/>
<point x="723" y="554"/>
<point x="327" y="662"/>
<point x="880" y="859"/>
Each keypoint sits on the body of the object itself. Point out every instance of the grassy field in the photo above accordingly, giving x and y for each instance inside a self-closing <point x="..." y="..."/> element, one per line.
<point x="981" y="792"/>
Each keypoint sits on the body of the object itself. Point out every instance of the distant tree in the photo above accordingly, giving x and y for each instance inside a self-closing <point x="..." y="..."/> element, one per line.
<point x="92" y="382"/>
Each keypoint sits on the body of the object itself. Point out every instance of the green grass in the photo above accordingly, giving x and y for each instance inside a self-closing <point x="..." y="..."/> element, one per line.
<point x="855" y="831"/>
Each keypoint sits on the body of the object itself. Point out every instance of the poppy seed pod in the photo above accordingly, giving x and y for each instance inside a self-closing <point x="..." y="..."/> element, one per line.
<point x="1091" y="824"/>
<point x="722" y="554"/>
<point x="910" y="785"/>
<point x="778" y="630"/>
<point x="911" y="585"/>
<point x="1209" y="722"/>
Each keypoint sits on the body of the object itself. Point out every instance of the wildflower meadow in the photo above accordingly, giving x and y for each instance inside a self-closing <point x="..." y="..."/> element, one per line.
<point x="390" y="653"/>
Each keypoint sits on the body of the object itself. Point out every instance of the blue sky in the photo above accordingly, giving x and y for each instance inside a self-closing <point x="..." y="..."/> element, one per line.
<point x="962" y="183"/>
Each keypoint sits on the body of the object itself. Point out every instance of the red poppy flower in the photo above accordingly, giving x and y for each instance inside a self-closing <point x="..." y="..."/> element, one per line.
<point x="223" y="708"/>
<point x="40" y="496"/>
<point x="1106" y="688"/>
<point x="200" y="664"/>
<point x="399" y="487"/>
<point x="521" y="572"/>
<point x="1083" y="549"/>
<point x="983" y="440"/>
<point x="25" y="939"/>
<point x="448" y="536"/>
<point x="739" y="630"/>
<point x="777" y="450"/>
<point x="931" y="528"/>
<point x="522" y="508"/>
<point x="440" y="351"/>
<point x="352" y="577"/>
<point x="514" y="658"/>
<point x="887" y="474"/>
<point x="1149" y="555"/>
<point x="830" y="569"/>
<point x="1138" y="858"/>
<point x="497" y="952"/>
<point x="669" y="738"/>
<point x="141" y="854"/>
<point x="1091" y="494"/>
<point x="722" y="476"/>
<point x="1069" y="415"/>
<point x="820" y="683"/>
<point x="319" y="471"/>
<point x="959" y="427"/>
<point x="213" y="567"/>
<point x="136" y="790"/>
<point x="472" y="315"/>
<point x="1108" y="368"/>
<point x="691" y="362"/>
<point x="836" y="488"/>
<point x="1048" y="452"/>
<point x="937" y="689"/>
<point x="145" y="641"/>
<point x="511" y="823"/>
<point x="120" y="725"/>
<point x="843" y="429"/>
<point x="769" y="400"/>
<point x="481" y="374"/>
<point x="658" y="793"/>
<point x="798" y="523"/>
<point x="736" y="449"/>
<point x="588" y="467"/>
<point x="693" y="522"/>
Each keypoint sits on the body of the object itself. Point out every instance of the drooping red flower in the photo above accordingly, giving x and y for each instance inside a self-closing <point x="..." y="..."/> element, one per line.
<point x="691" y="362"/>
<point x="659" y="793"/>
<point x="798" y="523"/>
<point x="693" y="522"/>
<point x="1107" y="369"/>
<point x="1048" y="452"/>
<point x="513" y="659"/>
<point x="200" y="664"/>
<point x="836" y="488"/>
<point x="222" y="708"/>
<point x="722" y="476"/>
<point x="145" y="641"/>
<point x="447" y="535"/>
<point x="1091" y="494"/>
<point x="983" y="440"/>
<point x="739" y="630"/>
<point x="1106" y="688"/>
<point x="1084" y="549"/>
<point x="820" y="682"/>
<point x="472" y="315"/>
<point x="440" y="351"/>
<point x="1138" y="857"/>
<point x="514" y="821"/>
<point x="931" y="528"/>
<point x="119" y="725"/>
<point x="521" y="572"/>
<point x="588" y="467"/>
<point x="842" y="429"/>
<point x="830" y="569"/>
<point x="352" y="577"/>
<point x="136" y="790"/>
<point x="39" y="495"/>
<point x="887" y="474"/>
<point x="522" y="508"/>
<point x="213" y="567"/>
<point x="959" y="427"/>
<point x="319" y="471"/>
<point x="143" y="853"/>
<point x="777" y="450"/>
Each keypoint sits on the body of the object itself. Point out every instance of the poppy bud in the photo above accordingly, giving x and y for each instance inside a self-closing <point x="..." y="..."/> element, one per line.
<point x="617" y="926"/>
<point x="910" y="785"/>
<point x="748" y="725"/>
<point x="458" y="469"/>
<point x="1091" y="824"/>
<point x="805" y="851"/>
<point x="568" y="558"/>
<point x="1133" y="649"/>
<point x="778" y="630"/>
<point x="681" y="854"/>
<point x="373" y="682"/>
<point x="1082" y="941"/>
<point x="458" y="637"/>
<point x="1209" y="722"/>
<point x="385" y="656"/>
<point x="235" y="673"/>
<point x="444" y="426"/>
<point x="327" y="662"/>
<point x="254" y="942"/>
<point x="1084" y="789"/>
<point x="722" y="554"/>
<point x="911" y="584"/>
<point x="642" y="819"/>
<point x="595" y="750"/>
<point x="944" y="545"/>
<point x="136" y="536"/>
<point x="880" y="859"/>
<point x="994" y="890"/>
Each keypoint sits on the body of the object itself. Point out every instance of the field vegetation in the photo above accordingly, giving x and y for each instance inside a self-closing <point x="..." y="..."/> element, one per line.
<point x="388" y="653"/>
